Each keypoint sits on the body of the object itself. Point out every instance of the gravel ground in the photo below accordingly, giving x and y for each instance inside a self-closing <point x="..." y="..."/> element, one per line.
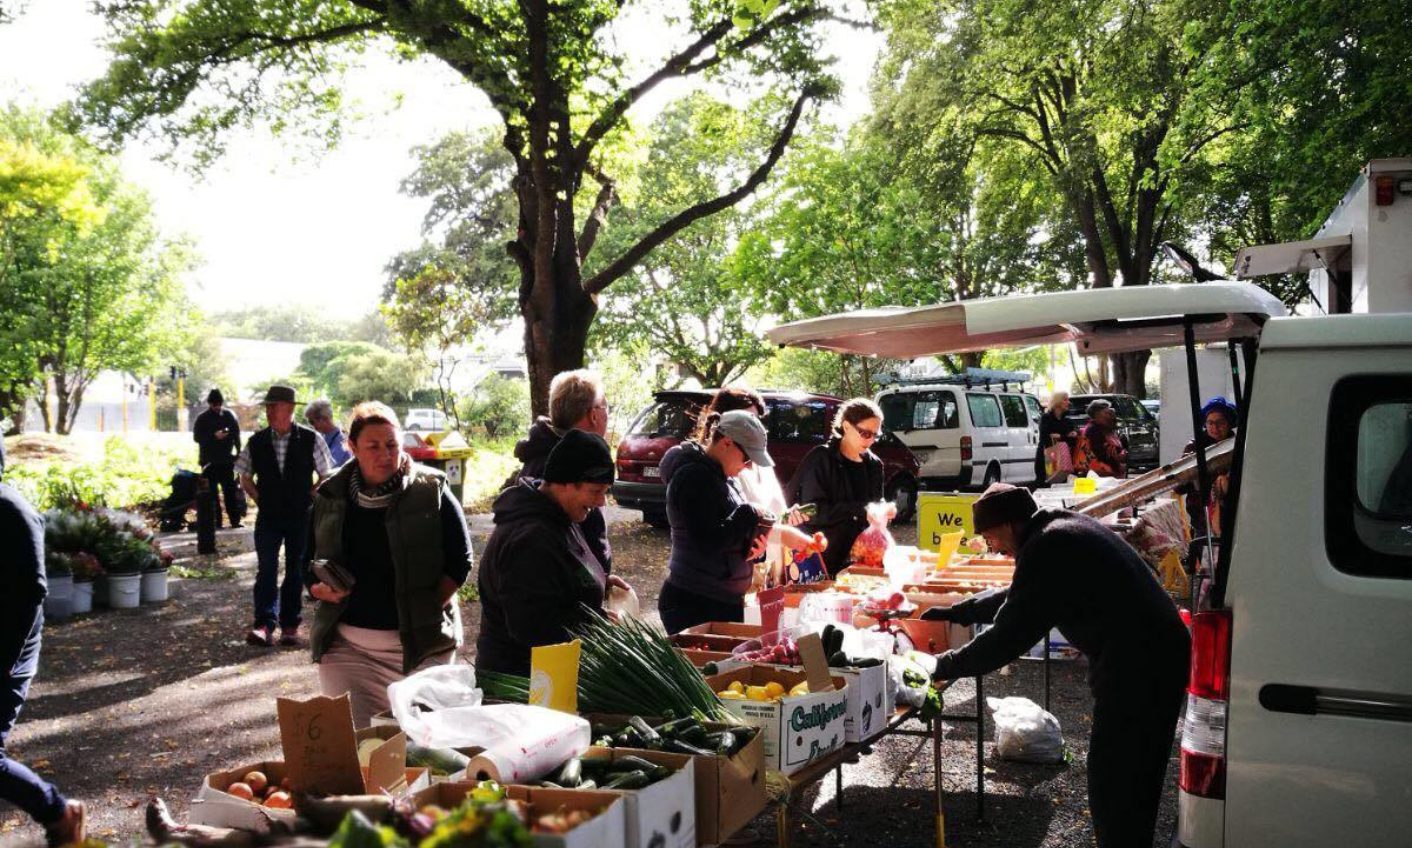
<point x="133" y="703"/>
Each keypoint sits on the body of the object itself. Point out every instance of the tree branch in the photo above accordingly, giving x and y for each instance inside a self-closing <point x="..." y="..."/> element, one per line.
<point x="599" y="214"/>
<point x="681" y="220"/>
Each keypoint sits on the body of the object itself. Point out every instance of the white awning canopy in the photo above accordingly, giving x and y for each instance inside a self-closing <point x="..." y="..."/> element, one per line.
<point x="1291" y="257"/>
<point x="1096" y="320"/>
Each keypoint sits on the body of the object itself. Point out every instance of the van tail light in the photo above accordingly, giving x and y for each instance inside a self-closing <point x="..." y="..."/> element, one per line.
<point x="966" y="452"/>
<point x="1203" y="752"/>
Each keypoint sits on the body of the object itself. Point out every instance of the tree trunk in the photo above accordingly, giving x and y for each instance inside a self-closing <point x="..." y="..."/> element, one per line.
<point x="1130" y="372"/>
<point x="556" y="342"/>
<point x="63" y="420"/>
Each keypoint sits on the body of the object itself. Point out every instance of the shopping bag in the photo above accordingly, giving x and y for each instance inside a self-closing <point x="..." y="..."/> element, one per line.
<point x="1058" y="461"/>
<point x="1024" y="732"/>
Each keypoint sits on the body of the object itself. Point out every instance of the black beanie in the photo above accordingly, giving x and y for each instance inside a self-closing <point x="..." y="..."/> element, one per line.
<point x="1001" y="504"/>
<point x="215" y="396"/>
<point x="580" y="457"/>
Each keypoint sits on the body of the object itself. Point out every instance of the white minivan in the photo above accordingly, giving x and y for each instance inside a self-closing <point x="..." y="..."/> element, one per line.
<point x="966" y="431"/>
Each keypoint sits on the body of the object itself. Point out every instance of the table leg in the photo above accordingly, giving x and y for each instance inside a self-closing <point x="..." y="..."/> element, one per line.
<point x="937" y="729"/>
<point x="1046" y="672"/>
<point x="980" y="749"/>
<point x="838" y="786"/>
<point x="782" y="827"/>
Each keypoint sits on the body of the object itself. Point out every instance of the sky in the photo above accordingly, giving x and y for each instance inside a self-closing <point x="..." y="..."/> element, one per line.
<point x="270" y="227"/>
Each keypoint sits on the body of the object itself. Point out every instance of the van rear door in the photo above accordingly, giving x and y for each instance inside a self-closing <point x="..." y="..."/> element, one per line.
<point x="929" y="423"/>
<point x="1019" y="462"/>
<point x="1319" y="732"/>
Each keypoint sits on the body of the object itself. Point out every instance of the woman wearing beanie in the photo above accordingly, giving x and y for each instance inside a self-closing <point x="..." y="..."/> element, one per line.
<point x="1073" y="573"/>
<point x="389" y="550"/>
<point x="841" y="477"/>
<point x="716" y="532"/>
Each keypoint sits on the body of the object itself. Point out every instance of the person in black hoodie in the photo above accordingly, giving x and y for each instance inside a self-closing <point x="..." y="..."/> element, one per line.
<point x="1073" y="573"/>
<point x="716" y="533"/>
<point x="840" y="478"/>
<point x="576" y="402"/>
<point x="538" y="572"/>
<point x="22" y="604"/>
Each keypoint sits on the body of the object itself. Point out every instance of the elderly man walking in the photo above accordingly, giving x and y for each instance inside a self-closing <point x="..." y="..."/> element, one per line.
<point x="279" y="468"/>
<point x="319" y="414"/>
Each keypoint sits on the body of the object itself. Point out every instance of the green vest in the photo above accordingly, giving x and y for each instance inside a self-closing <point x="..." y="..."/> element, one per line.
<point x="414" y="535"/>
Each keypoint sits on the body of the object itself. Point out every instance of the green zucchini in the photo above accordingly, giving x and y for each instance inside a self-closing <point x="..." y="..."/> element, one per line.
<point x="437" y="759"/>
<point x="628" y="762"/>
<point x="678" y="746"/>
<point x="629" y="780"/>
<point x="651" y="739"/>
<point x="571" y="775"/>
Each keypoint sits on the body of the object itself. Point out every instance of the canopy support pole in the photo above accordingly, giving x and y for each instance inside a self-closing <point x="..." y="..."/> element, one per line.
<point x="1203" y="475"/>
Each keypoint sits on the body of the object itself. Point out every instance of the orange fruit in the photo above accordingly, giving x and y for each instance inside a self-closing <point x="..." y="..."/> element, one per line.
<point x="241" y="790"/>
<point x="279" y="801"/>
<point x="257" y="781"/>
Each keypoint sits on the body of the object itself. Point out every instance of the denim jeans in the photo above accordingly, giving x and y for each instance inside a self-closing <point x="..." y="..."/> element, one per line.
<point x="18" y="785"/>
<point x="280" y="607"/>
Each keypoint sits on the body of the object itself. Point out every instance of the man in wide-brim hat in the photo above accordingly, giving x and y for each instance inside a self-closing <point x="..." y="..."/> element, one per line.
<point x="279" y="468"/>
<point x="1073" y="573"/>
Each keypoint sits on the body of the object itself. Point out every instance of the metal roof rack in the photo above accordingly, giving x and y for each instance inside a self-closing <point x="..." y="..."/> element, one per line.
<point x="970" y="378"/>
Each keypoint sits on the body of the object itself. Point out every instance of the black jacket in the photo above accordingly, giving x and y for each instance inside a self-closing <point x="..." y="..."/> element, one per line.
<point x="1064" y="428"/>
<point x="533" y="451"/>
<point x="712" y="526"/>
<point x="204" y="433"/>
<point x="823" y="479"/>
<point x="1073" y="573"/>
<point x="24" y="585"/>
<point x="285" y="494"/>
<point x="535" y="576"/>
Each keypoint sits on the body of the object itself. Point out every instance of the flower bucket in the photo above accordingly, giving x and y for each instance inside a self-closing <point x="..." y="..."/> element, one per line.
<point x="58" y="603"/>
<point x="154" y="586"/>
<point x="124" y="591"/>
<point x="81" y="599"/>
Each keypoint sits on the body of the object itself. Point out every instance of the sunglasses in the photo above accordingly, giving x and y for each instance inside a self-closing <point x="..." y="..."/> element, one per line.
<point x="867" y="434"/>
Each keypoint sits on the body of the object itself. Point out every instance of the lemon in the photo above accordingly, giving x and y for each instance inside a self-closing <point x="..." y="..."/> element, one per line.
<point x="730" y="695"/>
<point x="800" y="689"/>
<point x="774" y="689"/>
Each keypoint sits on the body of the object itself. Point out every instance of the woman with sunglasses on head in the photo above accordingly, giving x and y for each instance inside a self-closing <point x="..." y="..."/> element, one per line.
<point x="716" y="532"/>
<point x="841" y="477"/>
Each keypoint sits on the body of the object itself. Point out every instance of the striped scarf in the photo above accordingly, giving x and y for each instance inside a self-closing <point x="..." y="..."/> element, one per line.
<point x="375" y="497"/>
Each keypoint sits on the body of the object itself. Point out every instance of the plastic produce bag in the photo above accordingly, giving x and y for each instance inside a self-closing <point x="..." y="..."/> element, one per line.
<point x="623" y="601"/>
<point x="1024" y="732"/>
<point x="872" y="544"/>
<point x="423" y="702"/>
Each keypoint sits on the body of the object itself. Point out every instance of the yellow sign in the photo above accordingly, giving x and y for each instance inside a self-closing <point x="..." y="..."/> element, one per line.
<point x="939" y="513"/>
<point x="1085" y="486"/>
<point x="554" y="676"/>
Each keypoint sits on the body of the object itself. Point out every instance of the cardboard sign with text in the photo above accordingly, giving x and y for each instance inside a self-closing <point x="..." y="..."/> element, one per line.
<point x="940" y="513"/>
<point x="321" y="748"/>
<point x="816" y="665"/>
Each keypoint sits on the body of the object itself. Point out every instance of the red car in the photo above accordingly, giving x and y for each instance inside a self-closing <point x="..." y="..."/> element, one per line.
<point x="797" y="421"/>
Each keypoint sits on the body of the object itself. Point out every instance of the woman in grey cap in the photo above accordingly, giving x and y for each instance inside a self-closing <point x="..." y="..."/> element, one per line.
<point x="716" y="533"/>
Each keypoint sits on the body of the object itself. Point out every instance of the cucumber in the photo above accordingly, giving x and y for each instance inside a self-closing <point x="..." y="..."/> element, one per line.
<point x="571" y="775"/>
<point x="742" y="735"/>
<point x="674" y="727"/>
<point x="651" y="739"/>
<point x="724" y="742"/>
<point x="694" y="735"/>
<point x="838" y="659"/>
<point x="629" y="780"/>
<point x="437" y="759"/>
<point x="678" y="746"/>
<point x="630" y="763"/>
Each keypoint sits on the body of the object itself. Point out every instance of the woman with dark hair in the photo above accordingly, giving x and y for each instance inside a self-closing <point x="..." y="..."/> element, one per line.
<point x="1219" y="419"/>
<point x="716" y="532"/>
<point x="841" y="477"/>
<point x="389" y="550"/>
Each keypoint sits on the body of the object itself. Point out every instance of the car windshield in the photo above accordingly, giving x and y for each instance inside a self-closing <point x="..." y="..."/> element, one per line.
<point x="672" y="417"/>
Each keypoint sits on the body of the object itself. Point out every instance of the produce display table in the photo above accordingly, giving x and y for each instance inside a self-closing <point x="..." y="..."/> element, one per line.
<point x="851" y="753"/>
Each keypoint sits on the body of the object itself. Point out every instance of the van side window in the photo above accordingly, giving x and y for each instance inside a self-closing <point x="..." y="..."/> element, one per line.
<point x="1014" y="409"/>
<point x="1032" y="403"/>
<point x="1368" y="523"/>
<point x="897" y="412"/>
<point x="920" y="411"/>
<point x="985" y="412"/>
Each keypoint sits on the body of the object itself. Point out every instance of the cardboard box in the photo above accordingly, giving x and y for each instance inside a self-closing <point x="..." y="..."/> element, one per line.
<point x="796" y="730"/>
<point x="321" y="749"/>
<point x="662" y="815"/>
<point x="871" y="701"/>
<point x="730" y="791"/>
<point x="743" y="632"/>
<point x="608" y="829"/>
<point x="699" y="657"/>
<point x="708" y="641"/>
<point x="212" y="806"/>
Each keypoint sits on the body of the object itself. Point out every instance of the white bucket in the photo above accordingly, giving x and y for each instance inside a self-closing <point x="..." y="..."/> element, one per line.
<point x="124" y="591"/>
<point x="81" y="599"/>
<point x="58" y="603"/>
<point x="154" y="586"/>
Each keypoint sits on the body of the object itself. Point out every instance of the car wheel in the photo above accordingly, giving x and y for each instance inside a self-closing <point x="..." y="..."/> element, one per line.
<point x="902" y="491"/>
<point x="992" y="476"/>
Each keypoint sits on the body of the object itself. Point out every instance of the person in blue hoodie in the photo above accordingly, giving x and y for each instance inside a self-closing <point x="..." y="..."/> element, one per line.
<point x="21" y="623"/>
<point x="716" y="533"/>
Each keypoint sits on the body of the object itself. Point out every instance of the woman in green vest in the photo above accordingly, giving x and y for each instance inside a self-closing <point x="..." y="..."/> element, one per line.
<point x="389" y="550"/>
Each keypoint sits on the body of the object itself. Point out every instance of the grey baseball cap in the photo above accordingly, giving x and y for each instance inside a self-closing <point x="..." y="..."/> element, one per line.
<point x="746" y="430"/>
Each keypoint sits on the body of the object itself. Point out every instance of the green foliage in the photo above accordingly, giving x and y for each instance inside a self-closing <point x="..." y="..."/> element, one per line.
<point x="491" y="463"/>
<point x="298" y="322"/>
<point x="378" y="375"/>
<point x="499" y="407"/>
<point x="88" y="284"/>
<point x="129" y="474"/>
<point x="819" y="371"/>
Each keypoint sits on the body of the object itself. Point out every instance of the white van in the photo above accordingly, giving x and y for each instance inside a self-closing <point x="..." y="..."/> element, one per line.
<point x="1298" y="729"/>
<point x="967" y="431"/>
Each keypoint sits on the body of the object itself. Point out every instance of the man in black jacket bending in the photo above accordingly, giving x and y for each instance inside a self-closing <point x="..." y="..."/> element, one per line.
<point x="1073" y="573"/>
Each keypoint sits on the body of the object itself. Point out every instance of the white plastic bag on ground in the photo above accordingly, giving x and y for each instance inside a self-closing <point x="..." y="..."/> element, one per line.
<point x="1024" y="732"/>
